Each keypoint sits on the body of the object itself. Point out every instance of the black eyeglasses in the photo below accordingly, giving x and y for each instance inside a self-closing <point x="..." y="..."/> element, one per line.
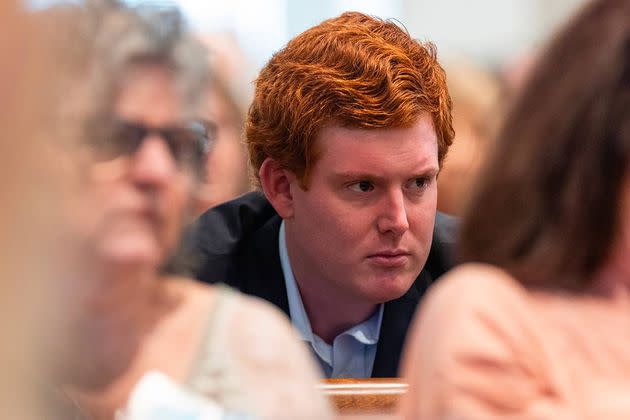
<point x="189" y="143"/>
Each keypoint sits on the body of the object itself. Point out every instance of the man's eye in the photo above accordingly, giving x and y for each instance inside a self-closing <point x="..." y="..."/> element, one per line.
<point x="361" y="186"/>
<point x="419" y="183"/>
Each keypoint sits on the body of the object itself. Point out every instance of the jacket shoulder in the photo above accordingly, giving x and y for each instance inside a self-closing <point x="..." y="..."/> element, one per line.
<point x="446" y="228"/>
<point x="230" y="241"/>
<point x="442" y="254"/>
<point x="220" y="229"/>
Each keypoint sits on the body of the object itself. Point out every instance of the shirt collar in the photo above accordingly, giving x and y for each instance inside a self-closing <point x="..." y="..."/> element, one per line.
<point x="296" y="307"/>
<point x="367" y="332"/>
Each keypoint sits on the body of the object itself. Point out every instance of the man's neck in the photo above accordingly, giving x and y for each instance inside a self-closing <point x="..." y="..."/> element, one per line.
<point x="329" y="311"/>
<point x="330" y="317"/>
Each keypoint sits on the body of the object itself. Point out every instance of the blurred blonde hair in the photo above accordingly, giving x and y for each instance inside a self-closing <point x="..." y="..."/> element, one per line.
<point x="230" y="92"/>
<point x="476" y="95"/>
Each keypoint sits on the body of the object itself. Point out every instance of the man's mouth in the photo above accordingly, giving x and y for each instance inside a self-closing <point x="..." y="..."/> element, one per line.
<point x="389" y="258"/>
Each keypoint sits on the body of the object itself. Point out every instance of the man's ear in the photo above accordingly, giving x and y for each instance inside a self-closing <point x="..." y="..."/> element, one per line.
<point x="276" y="184"/>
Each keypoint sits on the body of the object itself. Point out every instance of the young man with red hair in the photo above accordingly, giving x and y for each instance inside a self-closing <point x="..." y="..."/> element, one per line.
<point x="347" y="132"/>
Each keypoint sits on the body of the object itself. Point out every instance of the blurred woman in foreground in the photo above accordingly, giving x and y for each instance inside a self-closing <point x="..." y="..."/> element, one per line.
<point x="142" y="82"/>
<point x="539" y="327"/>
<point x="33" y="189"/>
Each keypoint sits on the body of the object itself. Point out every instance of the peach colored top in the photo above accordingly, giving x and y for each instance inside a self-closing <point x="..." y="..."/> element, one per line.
<point x="483" y="347"/>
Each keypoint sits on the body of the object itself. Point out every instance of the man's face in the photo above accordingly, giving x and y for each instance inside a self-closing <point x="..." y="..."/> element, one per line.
<point x="363" y="229"/>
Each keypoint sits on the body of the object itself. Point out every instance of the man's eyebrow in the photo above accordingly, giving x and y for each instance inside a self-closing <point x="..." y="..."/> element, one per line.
<point x="427" y="172"/>
<point x="360" y="175"/>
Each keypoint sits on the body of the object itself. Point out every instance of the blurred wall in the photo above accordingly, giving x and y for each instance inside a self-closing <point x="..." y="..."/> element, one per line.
<point x="489" y="31"/>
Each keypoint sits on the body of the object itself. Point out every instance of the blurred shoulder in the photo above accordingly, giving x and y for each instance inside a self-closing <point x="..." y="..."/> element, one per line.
<point x="258" y="317"/>
<point x="475" y="283"/>
<point x="476" y="296"/>
<point x="474" y="309"/>
<point x="477" y="348"/>
<point x="273" y="361"/>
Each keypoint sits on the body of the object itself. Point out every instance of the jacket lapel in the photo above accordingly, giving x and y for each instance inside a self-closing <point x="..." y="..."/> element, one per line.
<point x="261" y="271"/>
<point x="397" y="315"/>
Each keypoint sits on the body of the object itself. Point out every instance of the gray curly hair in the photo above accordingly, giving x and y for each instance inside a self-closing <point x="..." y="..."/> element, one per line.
<point x="99" y="41"/>
<point x="121" y="37"/>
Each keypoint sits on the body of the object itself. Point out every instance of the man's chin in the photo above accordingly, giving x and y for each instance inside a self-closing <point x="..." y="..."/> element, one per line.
<point x="385" y="290"/>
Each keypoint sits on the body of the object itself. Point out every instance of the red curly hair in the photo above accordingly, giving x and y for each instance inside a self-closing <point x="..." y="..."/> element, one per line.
<point x="354" y="70"/>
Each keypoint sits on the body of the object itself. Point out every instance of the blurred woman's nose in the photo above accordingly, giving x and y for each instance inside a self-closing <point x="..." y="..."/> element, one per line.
<point x="153" y="163"/>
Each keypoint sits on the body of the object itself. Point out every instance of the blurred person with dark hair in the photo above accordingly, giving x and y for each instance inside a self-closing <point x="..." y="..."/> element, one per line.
<point x="136" y="97"/>
<point x="228" y="96"/>
<point x="537" y="326"/>
<point x="347" y="132"/>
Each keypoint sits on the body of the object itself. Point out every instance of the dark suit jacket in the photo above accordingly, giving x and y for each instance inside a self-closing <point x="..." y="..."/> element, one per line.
<point x="237" y="244"/>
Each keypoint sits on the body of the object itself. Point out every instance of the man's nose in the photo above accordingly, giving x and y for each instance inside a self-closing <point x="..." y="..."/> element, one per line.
<point x="153" y="164"/>
<point x="393" y="218"/>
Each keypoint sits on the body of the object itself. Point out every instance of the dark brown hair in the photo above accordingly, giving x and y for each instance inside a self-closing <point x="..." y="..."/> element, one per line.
<point x="355" y="70"/>
<point x="548" y="202"/>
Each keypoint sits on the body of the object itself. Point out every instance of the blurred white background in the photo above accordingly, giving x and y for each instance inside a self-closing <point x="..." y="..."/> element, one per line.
<point x="490" y="32"/>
